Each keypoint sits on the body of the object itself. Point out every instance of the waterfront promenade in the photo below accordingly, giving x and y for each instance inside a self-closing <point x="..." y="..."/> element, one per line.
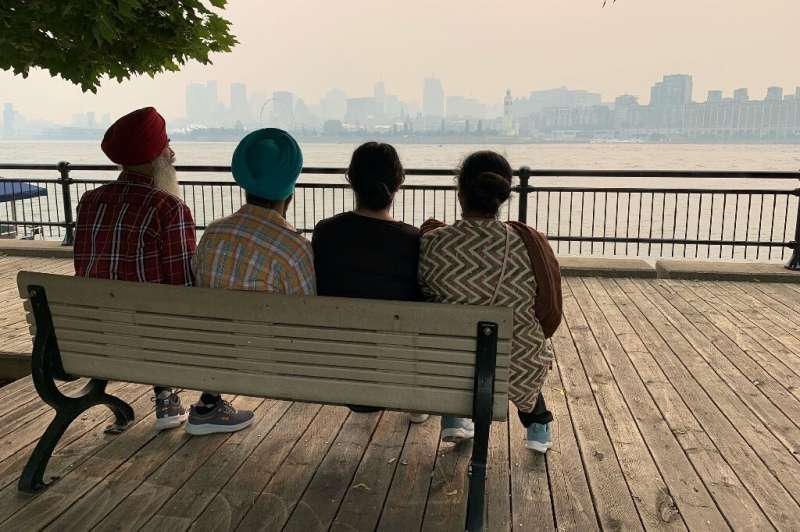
<point x="677" y="406"/>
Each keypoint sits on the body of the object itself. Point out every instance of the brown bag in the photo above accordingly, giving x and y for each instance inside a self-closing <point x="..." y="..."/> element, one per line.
<point x="547" y="271"/>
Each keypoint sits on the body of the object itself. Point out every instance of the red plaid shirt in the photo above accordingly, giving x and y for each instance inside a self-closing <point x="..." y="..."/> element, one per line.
<point x="131" y="231"/>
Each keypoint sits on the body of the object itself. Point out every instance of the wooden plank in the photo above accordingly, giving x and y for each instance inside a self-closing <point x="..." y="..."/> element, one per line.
<point x="62" y="495"/>
<point x="572" y="501"/>
<point x="683" y="492"/>
<point x="736" y="336"/>
<point x="173" y="456"/>
<point x="342" y="313"/>
<point x="230" y="484"/>
<point x="613" y="502"/>
<point x="390" y="396"/>
<point x="786" y="296"/>
<point x="446" y="508"/>
<point x="271" y="330"/>
<point x="362" y="505"/>
<point x="405" y="504"/>
<point x="498" y="479"/>
<point x="79" y="445"/>
<point x="729" y="386"/>
<point x="88" y="426"/>
<point x="29" y="411"/>
<point x="531" y="501"/>
<point x="275" y="503"/>
<point x="647" y="486"/>
<point x="322" y="497"/>
<point x="767" y="490"/>
<point x="654" y="362"/>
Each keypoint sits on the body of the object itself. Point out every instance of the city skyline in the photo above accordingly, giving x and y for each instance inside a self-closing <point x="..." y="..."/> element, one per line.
<point x="476" y="50"/>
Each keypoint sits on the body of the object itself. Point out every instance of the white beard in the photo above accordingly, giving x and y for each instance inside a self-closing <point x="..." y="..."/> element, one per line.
<point x="164" y="176"/>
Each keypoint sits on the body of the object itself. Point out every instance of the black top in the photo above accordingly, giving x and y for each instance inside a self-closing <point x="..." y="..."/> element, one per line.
<point x="357" y="256"/>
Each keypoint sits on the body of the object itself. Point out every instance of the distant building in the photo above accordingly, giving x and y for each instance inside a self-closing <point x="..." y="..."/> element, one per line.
<point x="432" y="98"/>
<point x="774" y="94"/>
<point x="333" y="105"/>
<point x="202" y="103"/>
<point x="240" y="108"/>
<point x="8" y="120"/>
<point x="741" y="95"/>
<point x="508" y="115"/>
<point x="360" y="111"/>
<point x="675" y="89"/>
<point x="282" y="109"/>
<point x="714" y="97"/>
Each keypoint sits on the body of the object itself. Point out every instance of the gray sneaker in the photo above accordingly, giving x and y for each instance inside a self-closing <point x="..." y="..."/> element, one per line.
<point x="169" y="411"/>
<point x="456" y="429"/>
<point x="222" y="418"/>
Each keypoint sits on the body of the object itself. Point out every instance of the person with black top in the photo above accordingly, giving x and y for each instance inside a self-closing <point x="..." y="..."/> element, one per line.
<point x="366" y="253"/>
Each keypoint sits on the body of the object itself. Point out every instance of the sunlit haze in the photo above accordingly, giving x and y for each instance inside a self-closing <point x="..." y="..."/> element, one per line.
<point x="477" y="49"/>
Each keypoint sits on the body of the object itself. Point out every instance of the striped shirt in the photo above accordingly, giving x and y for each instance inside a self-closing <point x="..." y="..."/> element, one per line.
<point x="132" y="231"/>
<point x="255" y="249"/>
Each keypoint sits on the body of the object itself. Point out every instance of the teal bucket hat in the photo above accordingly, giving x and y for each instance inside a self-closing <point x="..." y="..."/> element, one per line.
<point x="267" y="163"/>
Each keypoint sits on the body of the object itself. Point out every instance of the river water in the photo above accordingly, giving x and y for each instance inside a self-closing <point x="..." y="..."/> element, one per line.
<point x="731" y="217"/>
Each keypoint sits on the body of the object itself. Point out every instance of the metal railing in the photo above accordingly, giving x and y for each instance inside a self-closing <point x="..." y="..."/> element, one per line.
<point x="694" y="221"/>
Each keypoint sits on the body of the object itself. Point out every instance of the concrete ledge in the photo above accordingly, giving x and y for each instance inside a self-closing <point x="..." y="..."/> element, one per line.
<point x="602" y="267"/>
<point x="35" y="248"/>
<point x="725" y="271"/>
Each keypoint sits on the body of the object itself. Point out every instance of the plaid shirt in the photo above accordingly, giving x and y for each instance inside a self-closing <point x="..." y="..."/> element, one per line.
<point x="131" y="231"/>
<point x="255" y="249"/>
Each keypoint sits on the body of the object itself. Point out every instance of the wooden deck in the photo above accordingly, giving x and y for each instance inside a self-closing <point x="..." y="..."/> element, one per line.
<point x="676" y="404"/>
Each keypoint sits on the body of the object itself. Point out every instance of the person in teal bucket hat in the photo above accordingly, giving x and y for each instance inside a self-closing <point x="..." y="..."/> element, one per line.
<point x="255" y="248"/>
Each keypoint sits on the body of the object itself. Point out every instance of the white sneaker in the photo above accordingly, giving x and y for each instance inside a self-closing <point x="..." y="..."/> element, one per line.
<point x="419" y="418"/>
<point x="170" y="413"/>
<point x="456" y="429"/>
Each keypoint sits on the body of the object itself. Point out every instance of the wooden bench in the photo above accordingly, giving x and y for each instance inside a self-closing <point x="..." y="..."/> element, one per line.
<point x="416" y="357"/>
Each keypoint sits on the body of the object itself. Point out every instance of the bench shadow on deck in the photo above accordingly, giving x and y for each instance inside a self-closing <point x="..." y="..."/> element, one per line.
<point x="677" y="406"/>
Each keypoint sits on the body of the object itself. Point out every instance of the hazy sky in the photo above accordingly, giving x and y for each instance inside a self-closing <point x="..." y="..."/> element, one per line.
<point x="477" y="48"/>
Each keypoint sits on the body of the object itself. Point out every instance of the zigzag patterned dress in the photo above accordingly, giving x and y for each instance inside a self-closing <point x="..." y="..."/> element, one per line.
<point x="462" y="263"/>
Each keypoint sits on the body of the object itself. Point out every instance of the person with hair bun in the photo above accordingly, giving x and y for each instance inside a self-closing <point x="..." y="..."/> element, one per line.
<point x="365" y="253"/>
<point x="480" y="260"/>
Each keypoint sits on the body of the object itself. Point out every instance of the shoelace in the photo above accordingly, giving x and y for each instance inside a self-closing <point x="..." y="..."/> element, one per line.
<point x="227" y="408"/>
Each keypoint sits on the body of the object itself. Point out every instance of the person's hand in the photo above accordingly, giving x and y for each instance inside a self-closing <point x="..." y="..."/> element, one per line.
<point x="430" y="224"/>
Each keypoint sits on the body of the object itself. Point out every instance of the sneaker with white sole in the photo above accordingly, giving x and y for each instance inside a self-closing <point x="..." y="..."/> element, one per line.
<point x="222" y="417"/>
<point x="539" y="438"/>
<point x="456" y="429"/>
<point x="170" y="413"/>
<point x="418" y="418"/>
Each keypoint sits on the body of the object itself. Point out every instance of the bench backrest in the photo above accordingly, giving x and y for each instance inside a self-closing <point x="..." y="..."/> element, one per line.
<point x="397" y="355"/>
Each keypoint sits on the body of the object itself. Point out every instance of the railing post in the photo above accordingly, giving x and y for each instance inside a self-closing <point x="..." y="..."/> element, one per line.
<point x="65" y="180"/>
<point x="524" y="178"/>
<point x="794" y="261"/>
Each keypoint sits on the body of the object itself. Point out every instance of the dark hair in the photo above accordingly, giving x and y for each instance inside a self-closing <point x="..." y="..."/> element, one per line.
<point x="484" y="181"/>
<point x="375" y="173"/>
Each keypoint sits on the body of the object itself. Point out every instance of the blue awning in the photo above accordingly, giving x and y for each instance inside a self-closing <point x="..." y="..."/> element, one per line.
<point x="18" y="190"/>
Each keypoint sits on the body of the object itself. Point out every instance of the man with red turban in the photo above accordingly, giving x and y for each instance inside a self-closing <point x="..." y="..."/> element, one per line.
<point x="138" y="229"/>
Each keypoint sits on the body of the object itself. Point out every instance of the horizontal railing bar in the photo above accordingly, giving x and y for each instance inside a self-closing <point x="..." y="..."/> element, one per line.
<point x="671" y="174"/>
<point x="632" y="240"/>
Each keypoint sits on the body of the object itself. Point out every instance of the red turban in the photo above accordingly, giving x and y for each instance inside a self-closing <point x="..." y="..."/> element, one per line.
<point x="136" y="138"/>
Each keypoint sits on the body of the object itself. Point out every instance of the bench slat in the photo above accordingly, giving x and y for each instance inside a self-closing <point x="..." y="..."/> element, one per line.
<point x="456" y="367"/>
<point x="214" y="340"/>
<point x="311" y="333"/>
<point x="391" y="396"/>
<point x="379" y="375"/>
<point x="342" y="313"/>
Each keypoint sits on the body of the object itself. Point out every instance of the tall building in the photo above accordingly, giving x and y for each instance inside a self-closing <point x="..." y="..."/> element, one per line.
<point x="282" y="109"/>
<point x="714" y="97"/>
<point x="195" y="102"/>
<point x="774" y="94"/>
<point x="8" y="120"/>
<point x="432" y="98"/>
<point x="240" y="107"/>
<point x="361" y="110"/>
<point x="333" y="105"/>
<point x="508" y="114"/>
<point x="741" y="95"/>
<point x="675" y="89"/>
